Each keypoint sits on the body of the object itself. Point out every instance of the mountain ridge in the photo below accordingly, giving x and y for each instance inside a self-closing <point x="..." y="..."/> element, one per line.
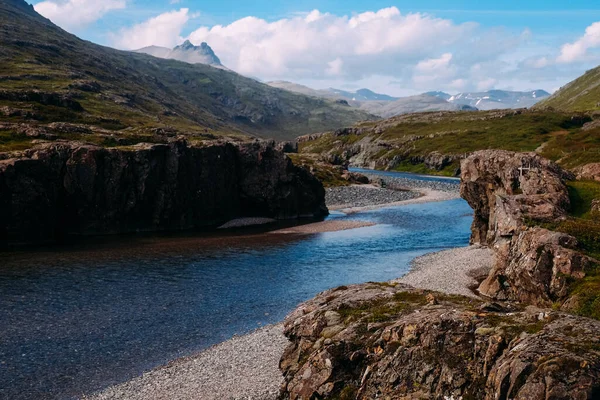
<point x="133" y="95"/>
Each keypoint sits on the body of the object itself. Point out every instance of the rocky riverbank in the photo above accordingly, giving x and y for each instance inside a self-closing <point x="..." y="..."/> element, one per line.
<point x="394" y="341"/>
<point x="247" y="367"/>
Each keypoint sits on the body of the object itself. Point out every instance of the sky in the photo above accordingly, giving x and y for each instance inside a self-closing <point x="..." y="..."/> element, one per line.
<point x="394" y="47"/>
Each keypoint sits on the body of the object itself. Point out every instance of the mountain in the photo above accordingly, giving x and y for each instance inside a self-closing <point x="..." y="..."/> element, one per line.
<point x="441" y="95"/>
<point x="297" y="88"/>
<point x="412" y="104"/>
<point x="50" y="76"/>
<point x="499" y="99"/>
<point x="186" y="52"/>
<point x="379" y="104"/>
<point x="583" y="94"/>
<point x="362" y="95"/>
<point x="353" y="98"/>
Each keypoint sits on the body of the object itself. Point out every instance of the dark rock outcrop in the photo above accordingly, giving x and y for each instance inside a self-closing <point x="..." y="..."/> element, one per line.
<point x="378" y="341"/>
<point x="70" y="188"/>
<point x="41" y="97"/>
<point x="509" y="193"/>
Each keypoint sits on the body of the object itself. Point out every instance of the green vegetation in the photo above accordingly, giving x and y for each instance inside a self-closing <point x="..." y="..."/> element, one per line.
<point x="403" y="143"/>
<point x="583" y="94"/>
<point x="584" y="225"/>
<point x="329" y="175"/>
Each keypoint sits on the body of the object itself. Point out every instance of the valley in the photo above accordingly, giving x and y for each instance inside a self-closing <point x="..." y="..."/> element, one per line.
<point x="173" y="229"/>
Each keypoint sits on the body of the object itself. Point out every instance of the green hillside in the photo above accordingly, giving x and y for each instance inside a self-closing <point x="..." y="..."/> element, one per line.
<point x="583" y="94"/>
<point x="406" y="143"/>
<point x="48" y="75"/>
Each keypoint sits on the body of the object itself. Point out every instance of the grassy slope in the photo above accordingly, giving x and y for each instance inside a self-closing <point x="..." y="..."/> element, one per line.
<point x="417" y="135"/>
<point x="141" y="92"/>
<point x="583" y="94"/>
<point x="585" y="226"/>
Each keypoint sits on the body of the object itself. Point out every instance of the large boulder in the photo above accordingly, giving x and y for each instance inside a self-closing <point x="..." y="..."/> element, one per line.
<point x="71" y="188"/>
<point x="511" y="193"/>
<point x="394" y="342"/>
<point x="502" y="187"/>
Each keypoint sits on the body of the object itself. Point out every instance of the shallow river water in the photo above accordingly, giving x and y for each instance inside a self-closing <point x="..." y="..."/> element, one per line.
<point x="76" y="319"/>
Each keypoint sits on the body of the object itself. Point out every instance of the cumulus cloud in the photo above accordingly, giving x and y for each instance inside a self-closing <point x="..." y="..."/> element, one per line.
<point x="74" y="14"/>
<point x="322" y="44"/>
<point x="385" y="50"/>
<point x="163" y="30"/>
<point x="578" y="50"/>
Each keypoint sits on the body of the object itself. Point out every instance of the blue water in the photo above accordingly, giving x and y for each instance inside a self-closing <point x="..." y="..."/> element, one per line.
<point x="77" y="319"/>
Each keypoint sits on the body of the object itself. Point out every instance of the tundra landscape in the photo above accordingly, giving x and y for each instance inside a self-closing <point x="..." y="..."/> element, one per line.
<point x="326" y="200"/>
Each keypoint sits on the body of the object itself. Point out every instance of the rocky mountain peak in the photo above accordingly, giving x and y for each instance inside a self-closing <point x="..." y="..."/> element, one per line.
<point x="186" y="52"/>
<point x="186" y="45"/>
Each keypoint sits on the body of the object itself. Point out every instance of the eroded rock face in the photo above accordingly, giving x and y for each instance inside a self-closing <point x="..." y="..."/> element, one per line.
<point x="589" y="172"/>
<point x="64" y="188"/>
<point x="509" y="193"/>
<point x="502" y="187"/>
<point x="378" y="341"/>
<point x="535" y="267"/>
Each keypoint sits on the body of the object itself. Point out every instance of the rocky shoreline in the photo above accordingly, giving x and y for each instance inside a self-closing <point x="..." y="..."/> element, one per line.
<point x="247" y="366"/>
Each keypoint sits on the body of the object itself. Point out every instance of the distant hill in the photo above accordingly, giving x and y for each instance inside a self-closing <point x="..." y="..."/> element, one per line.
<point x="297" y="88"/>
<point x="441" y="95"/>
<point x="378" y="104"/>
<point x="362" y="95"/>
<point x="49" y="75"/>
<point x="498" y="99"/>
<point x="583" y="94"/>
<point x="186" y="52"/>
<point x="412" y="104"/>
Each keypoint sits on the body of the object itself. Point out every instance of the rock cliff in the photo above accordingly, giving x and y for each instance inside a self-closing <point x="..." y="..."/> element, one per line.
<point x="510" y="193"/>
<point x="394" y="342"/>
<point x="70" y="188"/>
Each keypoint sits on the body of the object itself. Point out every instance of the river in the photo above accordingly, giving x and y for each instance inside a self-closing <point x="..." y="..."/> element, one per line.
<point x="76" y="319"/>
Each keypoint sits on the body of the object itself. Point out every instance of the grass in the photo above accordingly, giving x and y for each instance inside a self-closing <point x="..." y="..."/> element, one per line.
<point x="329" y="175"/>
<point x="556" y="135"/>
<point x="383" y="309"/>
<point x="583" y="94"/>
<point x="584" y="225"/>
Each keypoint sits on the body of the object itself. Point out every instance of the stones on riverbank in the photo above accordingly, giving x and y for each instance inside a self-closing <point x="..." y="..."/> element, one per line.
<point x="455" y="271"/>
<point x="362" y="196"/>
<point x="415" y="183"/>
<point x="243" y="368"/>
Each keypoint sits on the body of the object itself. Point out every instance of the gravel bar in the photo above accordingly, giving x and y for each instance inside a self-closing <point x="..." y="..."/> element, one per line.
<point x="245" y="367"/>
<point x="454" y="271"/>
<point x="394" y="182"/>
<point x="365" y="195"/>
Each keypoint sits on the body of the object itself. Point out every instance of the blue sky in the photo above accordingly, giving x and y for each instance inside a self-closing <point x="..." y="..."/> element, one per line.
<point x="462" y="45"/>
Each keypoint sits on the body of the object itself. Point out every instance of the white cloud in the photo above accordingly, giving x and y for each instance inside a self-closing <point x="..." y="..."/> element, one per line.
<point x="163" y="30"/>
<point x="384" y="50"/>
<point x="299" y="47"/>
<point x="577" y="51"/>
<point x="74" y="14"/>
<point x="335" y="67"/>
